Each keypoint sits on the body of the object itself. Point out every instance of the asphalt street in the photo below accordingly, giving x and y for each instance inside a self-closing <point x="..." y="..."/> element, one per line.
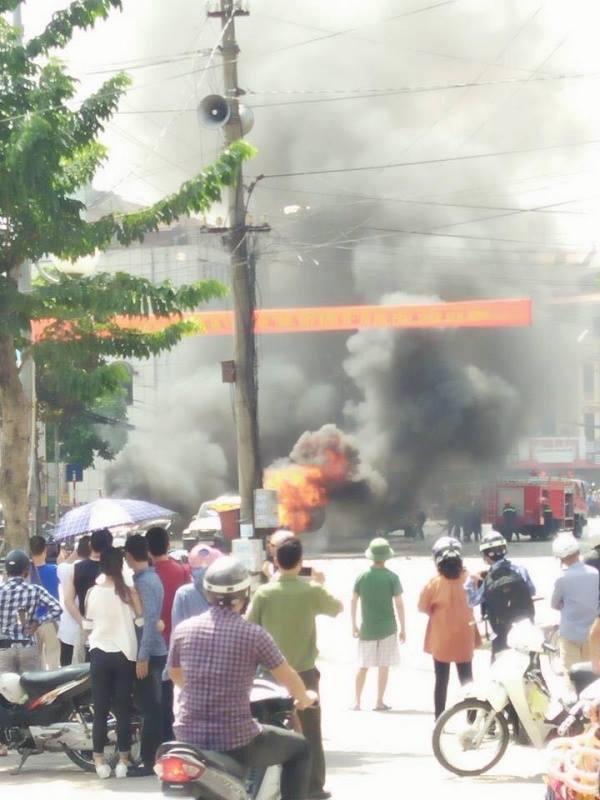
<point x="368" y="752"/>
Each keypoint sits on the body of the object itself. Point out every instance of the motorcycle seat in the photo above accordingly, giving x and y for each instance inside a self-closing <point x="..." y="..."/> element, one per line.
<point x="582" y="676"/>
<point x="226" y="763"/>
<point x="38" y="683"/>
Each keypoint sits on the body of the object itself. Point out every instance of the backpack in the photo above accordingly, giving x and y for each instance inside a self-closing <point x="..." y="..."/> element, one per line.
<point x="507" y="597"/>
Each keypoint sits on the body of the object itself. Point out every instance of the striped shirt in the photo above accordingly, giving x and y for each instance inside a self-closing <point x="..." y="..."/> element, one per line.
<point x="20" y="602"/>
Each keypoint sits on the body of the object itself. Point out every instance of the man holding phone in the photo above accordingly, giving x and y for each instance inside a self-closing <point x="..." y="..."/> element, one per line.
<point x="287" y="608"/>
<point x="270" y="569"/>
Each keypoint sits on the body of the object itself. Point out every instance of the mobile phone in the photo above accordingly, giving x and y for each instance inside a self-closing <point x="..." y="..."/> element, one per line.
<point x="306" y="572"/>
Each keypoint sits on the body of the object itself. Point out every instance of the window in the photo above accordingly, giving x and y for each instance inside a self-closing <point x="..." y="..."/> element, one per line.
<point x="589" y="425"/>
<point x="588" y="379"/>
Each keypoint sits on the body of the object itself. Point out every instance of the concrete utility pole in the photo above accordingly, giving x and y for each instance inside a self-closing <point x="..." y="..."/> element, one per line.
<point x="243" y="285"/>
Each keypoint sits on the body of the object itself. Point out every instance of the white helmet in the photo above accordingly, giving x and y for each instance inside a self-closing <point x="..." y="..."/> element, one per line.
<point x="565" y="545"/>
<point x="10" y="687"/>
<point x="446" y="544"/>
<point x="492" y="541"/>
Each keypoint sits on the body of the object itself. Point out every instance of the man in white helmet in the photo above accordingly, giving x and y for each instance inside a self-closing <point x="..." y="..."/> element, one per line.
<point x="575" y="595"/>
<point x="505" y="591"/>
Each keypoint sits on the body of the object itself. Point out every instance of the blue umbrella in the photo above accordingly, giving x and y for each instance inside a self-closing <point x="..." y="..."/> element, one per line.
<point x="107" y="513"/>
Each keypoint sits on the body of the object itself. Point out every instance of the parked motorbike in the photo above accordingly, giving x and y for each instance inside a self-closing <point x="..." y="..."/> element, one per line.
<point x="50" y="712"/>
<point x="188" y="771"/>
<point x="574" y="760"/>
<point x="472" y="736"/>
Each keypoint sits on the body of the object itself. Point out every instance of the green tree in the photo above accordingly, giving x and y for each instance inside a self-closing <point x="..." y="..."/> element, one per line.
<point x="49" y="149"/>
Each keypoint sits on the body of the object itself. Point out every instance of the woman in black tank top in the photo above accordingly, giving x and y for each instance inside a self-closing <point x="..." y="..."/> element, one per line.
<point x="84" y="578"/>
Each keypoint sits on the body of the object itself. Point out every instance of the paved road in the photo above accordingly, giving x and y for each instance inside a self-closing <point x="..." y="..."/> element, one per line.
<point x="369" y="753"/>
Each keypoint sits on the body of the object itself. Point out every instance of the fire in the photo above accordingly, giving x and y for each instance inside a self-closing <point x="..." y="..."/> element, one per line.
<point x="304" y="489"/>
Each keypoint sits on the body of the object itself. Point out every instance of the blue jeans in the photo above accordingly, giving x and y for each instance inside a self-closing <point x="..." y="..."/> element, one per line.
<point x="148" y="694"/>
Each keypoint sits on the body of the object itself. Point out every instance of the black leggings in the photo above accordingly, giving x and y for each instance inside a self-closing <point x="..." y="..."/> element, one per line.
<point x="442" y="676"/>
<point x="279" y="746"/>
<point x="66" y="654"/>
<point x="112" y="688"/>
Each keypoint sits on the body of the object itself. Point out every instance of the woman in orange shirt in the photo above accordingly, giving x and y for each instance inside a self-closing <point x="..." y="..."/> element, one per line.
<point x="451" y="635"/>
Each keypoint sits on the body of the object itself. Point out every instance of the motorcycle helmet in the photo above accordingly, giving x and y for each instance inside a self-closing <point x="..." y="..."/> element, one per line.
<point x="11" y="689"/>
<point x="17" y="563"/>
<point x="226" y="579"/>
<point x="202" y="555"/>
<point x="493" y="545"/>
<point x="565" y="545"/>
<point x="445" y="546"/>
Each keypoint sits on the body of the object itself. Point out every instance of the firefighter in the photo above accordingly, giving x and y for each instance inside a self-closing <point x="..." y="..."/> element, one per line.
<point x="473" y="521"/>
<point x="509" y="521"/>
<point x="547" y="515"/>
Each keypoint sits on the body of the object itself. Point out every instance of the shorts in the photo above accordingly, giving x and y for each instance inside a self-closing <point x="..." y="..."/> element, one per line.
<point x="20" y="659"/>
<point x="379" y="652"/>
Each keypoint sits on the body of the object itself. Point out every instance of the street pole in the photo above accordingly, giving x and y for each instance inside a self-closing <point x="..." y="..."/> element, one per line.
<point x="243" y="288"/>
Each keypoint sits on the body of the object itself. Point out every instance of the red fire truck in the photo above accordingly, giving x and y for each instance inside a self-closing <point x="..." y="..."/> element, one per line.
<point x="542" y="505"/>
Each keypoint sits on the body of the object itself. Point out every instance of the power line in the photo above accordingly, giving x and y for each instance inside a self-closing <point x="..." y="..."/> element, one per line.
<point x="424" y="162"/>
<point x="365" y="198"/>
<point x="480" y="74"/>
<point x="355" y="94"/>
<point x="477" y="238"/>
<point x="336" y="34"/>
<point x="158" y="61"/>
<point x="374" y="93"/>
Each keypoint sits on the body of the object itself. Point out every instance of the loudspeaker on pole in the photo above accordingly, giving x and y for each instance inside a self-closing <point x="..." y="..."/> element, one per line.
<point x="214" y="111"/>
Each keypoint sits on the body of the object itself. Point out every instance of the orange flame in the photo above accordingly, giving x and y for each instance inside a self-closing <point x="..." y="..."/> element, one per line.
<point x="303" y="489"/>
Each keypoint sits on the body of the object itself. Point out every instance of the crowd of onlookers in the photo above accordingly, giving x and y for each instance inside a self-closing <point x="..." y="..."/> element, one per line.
<point x="122" y="608"/>
<point x="113" y="608"/>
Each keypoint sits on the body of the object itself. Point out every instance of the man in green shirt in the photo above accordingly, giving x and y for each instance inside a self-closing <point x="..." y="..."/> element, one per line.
<point x="379" y="591"/>
<point x="287" y="608"/>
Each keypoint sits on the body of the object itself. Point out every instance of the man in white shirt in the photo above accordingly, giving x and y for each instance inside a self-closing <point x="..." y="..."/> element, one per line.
<point x="69" y="630"/>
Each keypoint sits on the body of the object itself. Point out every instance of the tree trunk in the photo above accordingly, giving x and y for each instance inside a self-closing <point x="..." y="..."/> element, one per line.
<point x="14" y="448"/>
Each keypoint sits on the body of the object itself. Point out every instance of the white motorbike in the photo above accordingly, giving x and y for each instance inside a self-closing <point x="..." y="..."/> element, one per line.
<point x="472" y="736"/>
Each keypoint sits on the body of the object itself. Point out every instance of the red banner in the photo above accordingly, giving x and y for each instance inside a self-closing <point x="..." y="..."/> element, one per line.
<point x="464" y="314"/>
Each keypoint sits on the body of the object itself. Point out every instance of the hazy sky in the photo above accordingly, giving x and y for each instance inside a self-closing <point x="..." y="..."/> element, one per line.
<point x="378" y="45"/>
<point x="422" y="85"/>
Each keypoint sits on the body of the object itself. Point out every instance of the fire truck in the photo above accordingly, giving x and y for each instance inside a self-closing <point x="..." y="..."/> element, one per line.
<point x="542" y="505"/>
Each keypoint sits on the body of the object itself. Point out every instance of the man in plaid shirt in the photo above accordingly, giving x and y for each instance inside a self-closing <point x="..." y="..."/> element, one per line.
<point x="19" y="602"/>
<point x="213" y="660"/>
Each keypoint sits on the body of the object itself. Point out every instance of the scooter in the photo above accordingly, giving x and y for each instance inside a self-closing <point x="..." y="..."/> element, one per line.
<point x="50" y="712"/>
<point x="472" y="736"/>
<point x="187" y="771"/>
<point x="574" y="760"/>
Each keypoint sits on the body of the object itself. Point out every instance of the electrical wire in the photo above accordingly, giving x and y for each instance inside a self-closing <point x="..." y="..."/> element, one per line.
<point x="407" y="90"/>
<point x="355" y="94"/>
<point x="151" y="151"/>
<point x="134" y="64"/>
<point x="428" y="161"/>
<point x="532" y="78"/>
<point x="480" y="74"/>
<point x="364" y="198"/>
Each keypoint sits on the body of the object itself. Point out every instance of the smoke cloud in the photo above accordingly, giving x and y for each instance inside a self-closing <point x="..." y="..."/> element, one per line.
<point x="417" y="405"/>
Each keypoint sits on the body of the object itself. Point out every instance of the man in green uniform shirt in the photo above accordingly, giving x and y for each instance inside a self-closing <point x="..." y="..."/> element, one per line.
<point x="287" y="608"/>
<point x="380" y="594"/>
